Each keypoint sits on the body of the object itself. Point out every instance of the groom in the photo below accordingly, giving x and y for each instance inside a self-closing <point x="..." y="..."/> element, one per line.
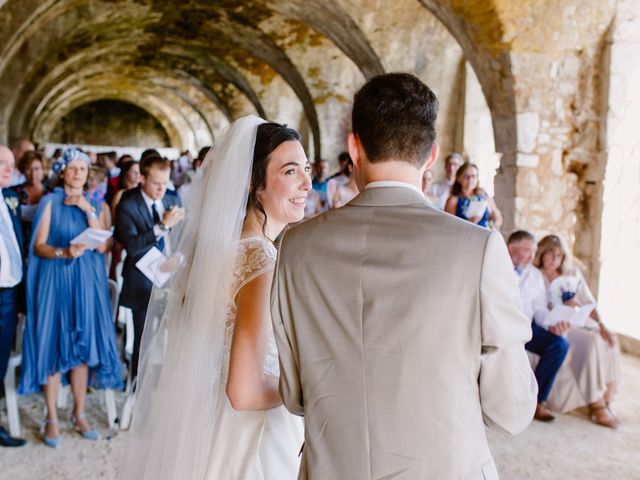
<point x="399" y="326"/>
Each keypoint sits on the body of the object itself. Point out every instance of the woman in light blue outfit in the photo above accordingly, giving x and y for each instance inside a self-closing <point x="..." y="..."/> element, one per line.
<point x="69" y="334"/>
<point x="465" y="190"/>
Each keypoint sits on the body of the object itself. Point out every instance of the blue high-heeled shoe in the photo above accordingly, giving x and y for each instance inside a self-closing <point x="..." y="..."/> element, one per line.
<point x="53" y="442"/>
<point x="91" y="434"/>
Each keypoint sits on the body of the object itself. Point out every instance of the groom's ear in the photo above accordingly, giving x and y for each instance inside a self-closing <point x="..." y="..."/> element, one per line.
<point x="433" y="156"/>
<point x="354" y="149"/>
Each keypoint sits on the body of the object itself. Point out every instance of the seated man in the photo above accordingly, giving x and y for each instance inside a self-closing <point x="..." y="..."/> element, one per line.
<point x="549" y="345"/>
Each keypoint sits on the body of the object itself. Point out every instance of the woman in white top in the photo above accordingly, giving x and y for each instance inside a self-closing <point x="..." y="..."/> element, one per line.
<point x="345" y="193"/>
<point x="208" y="403"/>
<point x="591" y="370"/>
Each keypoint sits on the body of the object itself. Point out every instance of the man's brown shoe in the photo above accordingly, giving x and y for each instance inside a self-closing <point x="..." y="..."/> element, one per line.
<point x="543" y="414"/>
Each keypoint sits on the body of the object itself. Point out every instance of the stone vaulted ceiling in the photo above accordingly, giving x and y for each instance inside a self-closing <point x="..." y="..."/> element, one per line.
<point x="196" y="65"/>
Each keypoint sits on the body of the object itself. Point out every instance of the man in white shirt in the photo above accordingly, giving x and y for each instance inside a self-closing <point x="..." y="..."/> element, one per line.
<point x="10" y="271"/>
<point x="441" y="189"/>
<point x="19" y="147"/>
<point x="550" y="345"/>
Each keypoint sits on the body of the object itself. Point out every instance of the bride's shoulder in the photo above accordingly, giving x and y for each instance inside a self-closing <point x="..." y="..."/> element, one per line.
<point x="254" y="256"/>
<point x="256" y="249"/>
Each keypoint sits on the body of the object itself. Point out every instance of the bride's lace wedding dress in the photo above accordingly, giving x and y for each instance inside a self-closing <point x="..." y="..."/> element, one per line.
<point x="252" y="445"/>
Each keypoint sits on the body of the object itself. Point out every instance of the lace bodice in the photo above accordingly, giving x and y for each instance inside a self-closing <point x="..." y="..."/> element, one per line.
<point x="254" y="256"/>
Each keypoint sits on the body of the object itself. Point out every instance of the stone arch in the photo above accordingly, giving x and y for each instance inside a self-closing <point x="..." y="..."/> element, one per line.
<point x="233" y="35"/>
<point x="479" y="31"/>
<point x="110" y="122"/>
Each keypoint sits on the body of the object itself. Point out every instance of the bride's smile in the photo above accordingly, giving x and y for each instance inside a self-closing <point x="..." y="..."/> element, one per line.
<point x="299" y="201"/>
<point x="288" y="180"/>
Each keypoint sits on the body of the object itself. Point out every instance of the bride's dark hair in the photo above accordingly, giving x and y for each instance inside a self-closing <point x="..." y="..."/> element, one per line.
<point x="268" y="137"/>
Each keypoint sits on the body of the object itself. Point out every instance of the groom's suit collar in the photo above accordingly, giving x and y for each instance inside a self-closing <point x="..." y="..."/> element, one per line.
<point x="387" y="196"/>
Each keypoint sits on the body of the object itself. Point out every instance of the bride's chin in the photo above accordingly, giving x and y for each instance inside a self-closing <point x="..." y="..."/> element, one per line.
<point x="297" y="218"/>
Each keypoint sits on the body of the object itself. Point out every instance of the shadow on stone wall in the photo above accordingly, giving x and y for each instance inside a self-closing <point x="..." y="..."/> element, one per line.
<point x="110" y="122"/>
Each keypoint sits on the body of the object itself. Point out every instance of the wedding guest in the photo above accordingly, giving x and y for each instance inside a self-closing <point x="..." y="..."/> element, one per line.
<point x="197" y="162"/>
<point x="343" y="194"/>
<point x="427" y="182"/>
<point x="339" y="179"/>
<point x="124" y="158"/>
<point x="144" y="216"/>
<point x="185" y="189"/>
<point x="465" y="190"/>
<point x="91" y="154"/>
<point x="148" y="153"/>
<point x="313" y="206"/>
<point x="97" y="183"/>
<point x="32" y="166"/>
<point x="19" y="147"/>
<point x="111" y="164"/>
<point x="590" y="375"/>
<point x="442" y="189"/>
<point x="113" y="172"/>
<point x="10" y="271"/>
<point x="57" y="154"/>
<point x="181" y="168"/>
<point x="320" y="181"/>
<point x="69" y="334"/>
<point x="549" y="344"/>
<point x="53" y="172"/>
<point x="129" y="178"/>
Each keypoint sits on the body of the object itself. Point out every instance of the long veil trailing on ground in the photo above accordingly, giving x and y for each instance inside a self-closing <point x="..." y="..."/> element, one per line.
<point x="180" y="361"/>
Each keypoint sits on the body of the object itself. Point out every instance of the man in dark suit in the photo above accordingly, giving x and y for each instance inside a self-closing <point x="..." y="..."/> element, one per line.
<point x="10" y="271"/>
<point x="144" y="216"/>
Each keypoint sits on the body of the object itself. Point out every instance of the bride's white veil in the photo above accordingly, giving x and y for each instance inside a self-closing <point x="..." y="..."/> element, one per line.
<point x="178" y="381"/>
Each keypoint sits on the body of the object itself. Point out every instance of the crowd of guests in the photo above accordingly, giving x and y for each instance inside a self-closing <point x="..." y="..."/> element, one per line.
<point x="51" y="275"/>
<point x="62" y="286"/>
<point x="458" y="193"/>
<point x="576" y="366"/>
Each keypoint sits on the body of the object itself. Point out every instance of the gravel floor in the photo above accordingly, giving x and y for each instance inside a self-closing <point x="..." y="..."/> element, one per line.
<point x="569" y="448"/>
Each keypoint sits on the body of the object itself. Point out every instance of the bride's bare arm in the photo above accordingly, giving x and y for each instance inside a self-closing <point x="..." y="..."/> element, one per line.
<point x="248" y="387"/>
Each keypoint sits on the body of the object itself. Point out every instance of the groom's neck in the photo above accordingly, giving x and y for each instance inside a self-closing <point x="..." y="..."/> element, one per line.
<point x="391" y="171"/>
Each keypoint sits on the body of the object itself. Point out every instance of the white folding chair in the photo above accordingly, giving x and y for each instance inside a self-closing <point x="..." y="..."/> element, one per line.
<point x="10" y="393"/>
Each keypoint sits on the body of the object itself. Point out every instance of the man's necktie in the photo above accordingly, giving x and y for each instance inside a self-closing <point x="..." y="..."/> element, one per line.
<point x="156" y="220"/>
<point x="14" y="254"/>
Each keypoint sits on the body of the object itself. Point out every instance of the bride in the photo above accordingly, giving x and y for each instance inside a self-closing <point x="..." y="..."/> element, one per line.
<point x="208" y="405"/>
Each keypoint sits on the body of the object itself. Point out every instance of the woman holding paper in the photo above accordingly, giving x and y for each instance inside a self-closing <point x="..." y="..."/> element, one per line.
<point x="591" y="371"/>
<point x="69" y="335"/>
<point x="470" y="202"/>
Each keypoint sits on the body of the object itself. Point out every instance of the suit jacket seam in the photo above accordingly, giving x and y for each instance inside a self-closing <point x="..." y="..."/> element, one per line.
<point x="364" y="363"/>
<point x="480" y="303"/>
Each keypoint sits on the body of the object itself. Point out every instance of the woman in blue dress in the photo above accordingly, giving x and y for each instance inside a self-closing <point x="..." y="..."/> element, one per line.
<point x="465" y="191"/>
<point x="69" y="333"/>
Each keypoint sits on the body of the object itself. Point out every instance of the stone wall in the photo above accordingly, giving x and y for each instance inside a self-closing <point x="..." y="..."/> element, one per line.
<point x="542" y="70"/>
<point x="619" y="245"/>
<point x="110" y="122"/>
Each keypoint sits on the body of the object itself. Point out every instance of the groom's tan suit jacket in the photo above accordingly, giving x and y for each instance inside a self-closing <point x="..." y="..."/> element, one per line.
<point x="400" y="336"/>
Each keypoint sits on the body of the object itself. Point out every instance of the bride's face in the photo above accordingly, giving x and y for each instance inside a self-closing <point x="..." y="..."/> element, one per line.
<point x="288" y="181"/>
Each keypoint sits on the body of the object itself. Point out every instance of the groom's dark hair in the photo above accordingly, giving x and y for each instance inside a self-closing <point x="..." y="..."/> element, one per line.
<point x="394" y="118"/>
